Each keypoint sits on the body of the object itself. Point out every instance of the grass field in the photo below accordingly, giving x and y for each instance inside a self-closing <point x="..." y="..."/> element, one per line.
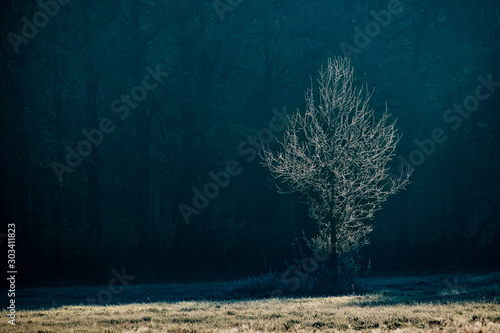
<point x="463" y="303"/>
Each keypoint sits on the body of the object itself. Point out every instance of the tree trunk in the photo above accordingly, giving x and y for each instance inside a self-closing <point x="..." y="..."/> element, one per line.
<point x="333" y="249"/>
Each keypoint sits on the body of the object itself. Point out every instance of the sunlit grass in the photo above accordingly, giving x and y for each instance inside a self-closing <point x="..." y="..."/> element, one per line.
<point x="294" y="314"/>
<point x="411" y="306"/>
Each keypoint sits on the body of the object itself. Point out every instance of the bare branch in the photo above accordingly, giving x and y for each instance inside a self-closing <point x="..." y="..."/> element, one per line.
<point x="336" y="153"/>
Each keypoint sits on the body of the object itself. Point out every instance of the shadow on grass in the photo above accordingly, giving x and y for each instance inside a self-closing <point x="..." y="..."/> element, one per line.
<point x="436" y="289"/>
<point x="382" y="291"/>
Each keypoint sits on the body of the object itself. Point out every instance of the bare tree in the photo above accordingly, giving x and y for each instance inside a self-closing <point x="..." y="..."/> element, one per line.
<point x="337" y="155"/>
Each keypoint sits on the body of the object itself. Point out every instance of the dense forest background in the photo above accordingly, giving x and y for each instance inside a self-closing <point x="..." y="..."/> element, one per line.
<point x="232" y="68"/>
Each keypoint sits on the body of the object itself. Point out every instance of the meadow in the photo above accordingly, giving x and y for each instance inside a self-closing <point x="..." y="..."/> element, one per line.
<point x="431" y="303"/>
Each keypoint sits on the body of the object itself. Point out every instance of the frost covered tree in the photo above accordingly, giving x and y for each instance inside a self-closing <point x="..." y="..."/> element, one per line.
<point x="336" y="154"/>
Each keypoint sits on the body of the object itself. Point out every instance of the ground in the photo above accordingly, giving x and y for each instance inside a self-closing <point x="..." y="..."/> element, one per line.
<point x="437" y="303"/>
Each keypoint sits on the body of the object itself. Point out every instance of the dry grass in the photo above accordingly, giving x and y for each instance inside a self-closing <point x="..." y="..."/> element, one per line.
<point x="380" y="311"/>
<point x="305" y="314"/>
